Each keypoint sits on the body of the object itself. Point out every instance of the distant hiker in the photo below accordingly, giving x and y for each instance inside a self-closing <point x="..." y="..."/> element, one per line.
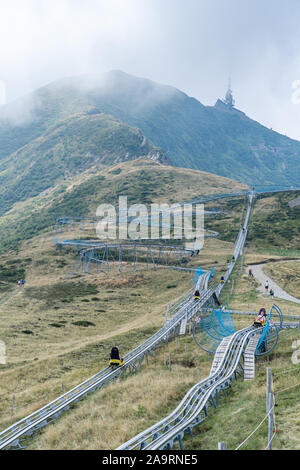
<point x="267" y="285"/>
<point x="222" y="279"/>
<point x="19" y="283"/>
<point x="233" y="259"/>
<point x="250" y="273"/>
<point x="22" y="282"/>
<point x="271" y="293"/>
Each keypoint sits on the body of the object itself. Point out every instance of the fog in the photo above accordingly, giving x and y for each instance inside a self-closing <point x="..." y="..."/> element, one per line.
<point x="193" y="45"/>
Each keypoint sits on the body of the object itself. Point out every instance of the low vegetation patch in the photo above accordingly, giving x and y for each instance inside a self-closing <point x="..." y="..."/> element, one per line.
<point x="63" y="291"/>
<point x="56" y="325"/>
<point x="11" y="273"/>
<point x="84" y="323"/>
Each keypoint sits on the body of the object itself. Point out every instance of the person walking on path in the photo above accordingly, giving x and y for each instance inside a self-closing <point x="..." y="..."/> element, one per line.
<point x="267" y="286"/>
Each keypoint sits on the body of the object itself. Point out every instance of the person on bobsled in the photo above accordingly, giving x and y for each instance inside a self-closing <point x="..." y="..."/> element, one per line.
<point x="261" y="318"/>
<point x="197" y="295"/>
<point x="115" y="359"/>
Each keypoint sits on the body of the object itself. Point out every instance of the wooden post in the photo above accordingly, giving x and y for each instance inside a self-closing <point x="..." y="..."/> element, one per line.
<point x="107" y="262"/>
<point x="12" y="405"/>
<point x="271" y="421"/>
<point x="268" y="389"/>
<point x="269" y="406"/>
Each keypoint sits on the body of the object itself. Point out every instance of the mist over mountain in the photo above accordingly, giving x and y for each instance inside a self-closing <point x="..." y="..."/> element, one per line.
<point x="72" y="124"/>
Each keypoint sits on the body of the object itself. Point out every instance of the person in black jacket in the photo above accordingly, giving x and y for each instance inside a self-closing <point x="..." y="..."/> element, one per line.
<point x="114" y="354"/>
<point x="197" y="295"/>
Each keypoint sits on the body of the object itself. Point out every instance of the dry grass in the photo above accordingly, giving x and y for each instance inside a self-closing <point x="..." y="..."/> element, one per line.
<point x="286" y="274"/>
<point x="125" y="310"/>
<point x="246" y="296"/>
<point x="119" y="411"/>
<point x="245" y="407"/>
<point x="130" y="308"/>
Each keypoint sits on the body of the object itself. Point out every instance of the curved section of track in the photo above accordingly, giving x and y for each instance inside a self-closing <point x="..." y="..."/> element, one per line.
<point x="185" y="311"/>
<point x="193" y="408"/>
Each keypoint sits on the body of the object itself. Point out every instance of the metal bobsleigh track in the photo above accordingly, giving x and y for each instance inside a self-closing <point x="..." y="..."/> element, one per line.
<point x="185" y="311"/>
<point x="193" y="409"/>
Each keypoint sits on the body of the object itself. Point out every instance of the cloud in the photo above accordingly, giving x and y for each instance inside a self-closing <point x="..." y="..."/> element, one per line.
<point x="2" y="92"/>
<point x="193" y="45"/>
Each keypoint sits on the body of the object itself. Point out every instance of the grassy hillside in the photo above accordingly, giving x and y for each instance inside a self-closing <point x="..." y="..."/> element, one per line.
<point x="67" y="148"/>
<point x="59" y="331"/>
<point x="286" y="274"/>
<point x="158" y="391"/>
<point x="142" y="181"/>
<point x="214" y="139"/>
<point x="275" y="226"/>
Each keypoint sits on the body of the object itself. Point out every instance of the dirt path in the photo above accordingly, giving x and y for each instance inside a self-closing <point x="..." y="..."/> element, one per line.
<point x="7" y="297"/>
<point x="261" y="277"/>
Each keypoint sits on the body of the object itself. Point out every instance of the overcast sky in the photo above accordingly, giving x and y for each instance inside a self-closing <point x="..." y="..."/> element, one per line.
<point x="194" y="45"/>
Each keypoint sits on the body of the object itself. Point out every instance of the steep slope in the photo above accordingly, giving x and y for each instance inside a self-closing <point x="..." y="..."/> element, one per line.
<point x="66" y="148"/>
<point x="142" y="181"/>
<point x="214" y="139"/>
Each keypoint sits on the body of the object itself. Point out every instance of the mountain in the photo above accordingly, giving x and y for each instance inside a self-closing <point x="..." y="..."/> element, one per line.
<point x="217" y="139"/>
<point x="78" y="123"/>
<point x="66" y="148"/>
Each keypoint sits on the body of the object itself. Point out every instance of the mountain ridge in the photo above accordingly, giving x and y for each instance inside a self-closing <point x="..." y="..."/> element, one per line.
<point x="215" y="139"/>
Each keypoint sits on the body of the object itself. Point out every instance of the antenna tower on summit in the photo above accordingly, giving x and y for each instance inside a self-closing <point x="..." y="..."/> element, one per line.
<point x="229" y="100"/>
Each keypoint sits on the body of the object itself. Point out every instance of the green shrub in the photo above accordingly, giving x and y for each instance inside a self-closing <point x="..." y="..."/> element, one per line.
<point x="84" y="323"/>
